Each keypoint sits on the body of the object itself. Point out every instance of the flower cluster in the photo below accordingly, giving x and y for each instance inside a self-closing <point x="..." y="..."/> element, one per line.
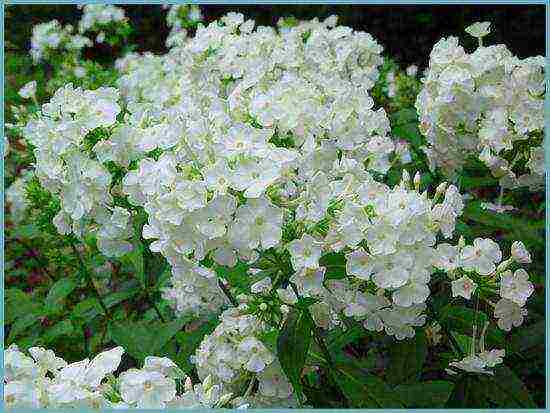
<point x="94" y="16"/>
<point x="63" y="165"/>
<point x="234" y="354"/>
<point x="242" y="119"/>
<point x="477" y="361"/>
<point x="483" y="261"/>
<point x="51" y="36"/>
<point x="16" y="197"/>
<point x="243" y="145"/>
<point x="43" y="380"/>
<point x="487" y="103"/>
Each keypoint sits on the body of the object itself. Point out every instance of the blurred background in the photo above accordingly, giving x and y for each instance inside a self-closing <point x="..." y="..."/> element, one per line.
<point x="407" y="33"/>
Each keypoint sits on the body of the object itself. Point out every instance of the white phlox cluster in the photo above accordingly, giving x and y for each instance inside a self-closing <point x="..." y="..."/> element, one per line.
<point x="16" y="197"/>
<point x="44" y="380"/>
<point x="483" y="262"/>
<point x="234" y="355"/>
<point x="487" y="103"/>
<point x="51" y="36"/>
<point x="65" y="168"/>
<point x="94" y="16"/>
<point x="242" y="118"/>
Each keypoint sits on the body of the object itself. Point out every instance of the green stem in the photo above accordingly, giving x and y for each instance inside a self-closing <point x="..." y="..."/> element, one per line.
<point x="89" y="279"/>
<point x="227" y="293"/>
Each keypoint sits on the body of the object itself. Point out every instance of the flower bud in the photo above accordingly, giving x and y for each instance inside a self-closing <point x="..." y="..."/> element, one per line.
<point x="417" y="180"/>
<point x="188" y="384"/>
<point x="520" y="253"/>
<point x="207" y="383"/>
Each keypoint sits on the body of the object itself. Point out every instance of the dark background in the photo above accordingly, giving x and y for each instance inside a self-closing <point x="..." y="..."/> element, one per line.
<point x="407" y="33"/>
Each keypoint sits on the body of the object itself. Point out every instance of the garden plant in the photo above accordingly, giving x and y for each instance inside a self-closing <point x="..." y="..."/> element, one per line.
<point x="271" y="217"/>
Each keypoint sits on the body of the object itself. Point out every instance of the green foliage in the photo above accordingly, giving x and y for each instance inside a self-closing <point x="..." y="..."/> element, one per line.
<point x="293" y="344"/>
<point x="407" y="359"/>
<point x="141" y="339"/>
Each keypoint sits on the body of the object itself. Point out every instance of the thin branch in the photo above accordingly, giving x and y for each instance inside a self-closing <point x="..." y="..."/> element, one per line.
<point x="89" y="279"/>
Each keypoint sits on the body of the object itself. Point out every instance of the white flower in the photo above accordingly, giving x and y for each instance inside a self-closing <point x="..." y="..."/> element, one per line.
<point x="520" y="253"/>
<point x="479" y="30"/>
<point x="257" y="223"/>
<point x="22" y="394"/>
<point x="412" y="70"/>
<point x="305" y="252"/>
<point x="28" y="90"/>
<point x="273" y="382"/>
<point x="287" y="295"/>
<point x="261" y="286"/>
<point x="18" y="366"/>
<point x="446" y="257"/>
<point x="309" y="281"/>
<point x="162" y="365"/>
<point x="463" y="287"/>
<point x="516" y="287"/>
<point x="146" y="389"/>
<point x="471" y="364"/>
<point x="46" y="359"/>
<point x="255" y="355"/>
<point x="509" y="314"/>
<point x="359" y="264"/>
<point x="481" y="257"/>
<point x="492" y="358"/>
<point x="499" y="209"/>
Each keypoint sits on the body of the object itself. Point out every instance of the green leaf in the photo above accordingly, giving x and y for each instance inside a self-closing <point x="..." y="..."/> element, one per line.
<point x="406" y="359"/>
<point x="469" y="392"/>
<point x="425" y="394"/>
<point x="237" y="276"/>
<point x="364" y="390"/>
<point x="335" y="264"/>
<point x="507" y="390"/>
<point x="85" y="311"/>
<point x="293" y="344"/>
<point x="18" y="304"/>
<point x="22" y="324"/>
<point x="409" y="132"/>
<point x="141" y="339"/>
<point x="62" y="329"/>
<point x="117" y="297"/>
<point x="163" y="278"/>
<point x="135" y="258"/>
<point x="27" y="231"/>
<point x="526" y="338"/>
<point x="405" y="115"/>
<point x="61" y="289"/>
<point x="530" y="231"/>
<point x="338" y="337"/>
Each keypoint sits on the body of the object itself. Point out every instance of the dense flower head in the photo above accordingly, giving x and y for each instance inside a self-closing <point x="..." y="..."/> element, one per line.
<point x="486" y="103"/>
<point x="51" y="36"/>
<point x="44" y="380"/>
<point x="234" y="351"/>
<point x="97" y="15"/>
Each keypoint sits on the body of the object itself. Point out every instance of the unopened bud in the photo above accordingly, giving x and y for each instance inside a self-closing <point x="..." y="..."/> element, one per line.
<point x="417" y="180"/>
<point x="441" y="188"/>
<point x="224" y="399"/>
<point x="406" y="178"/>
<point x="188" y="384"/>
<point x="461" y="242"/>
<point x="263" y="306"/>
<point x="504" y="265"/>
<point x="207" y="383"/>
